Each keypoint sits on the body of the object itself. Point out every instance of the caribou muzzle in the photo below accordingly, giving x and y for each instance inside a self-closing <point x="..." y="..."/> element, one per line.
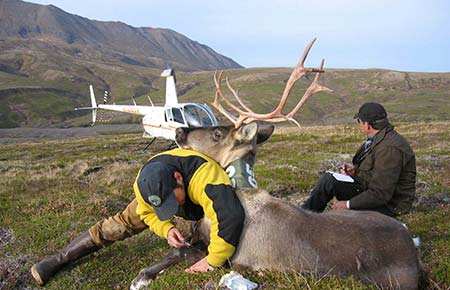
<point x="180" y="137"/>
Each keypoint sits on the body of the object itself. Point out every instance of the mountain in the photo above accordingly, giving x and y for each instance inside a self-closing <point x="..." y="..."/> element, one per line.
<point x="48" y="57"/>
<point x="116" y="41"/>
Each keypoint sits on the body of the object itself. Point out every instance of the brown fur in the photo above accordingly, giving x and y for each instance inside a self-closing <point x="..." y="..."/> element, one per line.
<point x="370" y="246"/>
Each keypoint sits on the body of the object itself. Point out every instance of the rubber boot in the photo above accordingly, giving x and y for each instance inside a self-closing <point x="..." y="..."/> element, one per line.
<point x="79" y="247"/>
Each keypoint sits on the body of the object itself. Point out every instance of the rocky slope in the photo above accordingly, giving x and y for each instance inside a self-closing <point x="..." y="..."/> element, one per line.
<point x="29" y="23"/>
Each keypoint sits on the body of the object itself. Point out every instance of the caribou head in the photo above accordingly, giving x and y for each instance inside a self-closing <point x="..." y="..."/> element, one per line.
<point x="225" y="143"/>
<point x="228" y="143"/>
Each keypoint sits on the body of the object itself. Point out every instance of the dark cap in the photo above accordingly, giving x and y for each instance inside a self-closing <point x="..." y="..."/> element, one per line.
<point x="156" y="183"/>
<point x="371" y="112"/>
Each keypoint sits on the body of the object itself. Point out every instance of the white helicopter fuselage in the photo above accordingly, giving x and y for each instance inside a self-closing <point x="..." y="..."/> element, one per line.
<point x="161" y="121"/>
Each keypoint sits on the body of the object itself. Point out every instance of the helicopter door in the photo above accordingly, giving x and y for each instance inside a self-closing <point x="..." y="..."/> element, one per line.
<point x="175" y="115"/>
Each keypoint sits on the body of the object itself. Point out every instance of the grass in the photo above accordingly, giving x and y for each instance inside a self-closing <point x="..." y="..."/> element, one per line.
<point x="51" y="191"/>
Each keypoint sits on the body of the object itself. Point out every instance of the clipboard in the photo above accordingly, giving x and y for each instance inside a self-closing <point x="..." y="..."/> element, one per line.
<point x="342" y="177"/>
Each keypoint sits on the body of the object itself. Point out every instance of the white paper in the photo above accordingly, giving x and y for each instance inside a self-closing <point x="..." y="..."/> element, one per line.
<point x="341" y="177"/>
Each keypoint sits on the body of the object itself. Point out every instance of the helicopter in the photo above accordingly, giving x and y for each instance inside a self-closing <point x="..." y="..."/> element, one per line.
<point x="161" y="121"/>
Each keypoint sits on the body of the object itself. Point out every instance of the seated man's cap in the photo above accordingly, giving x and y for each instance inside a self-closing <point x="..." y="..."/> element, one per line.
<point x="371" y="112"/>
<point x="156" y="184"/>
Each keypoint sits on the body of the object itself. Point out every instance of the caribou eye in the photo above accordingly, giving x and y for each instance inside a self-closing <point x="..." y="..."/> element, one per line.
<point x="217" y="135"/>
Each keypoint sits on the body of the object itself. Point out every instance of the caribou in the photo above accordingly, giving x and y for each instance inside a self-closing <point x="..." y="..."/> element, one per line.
<point x="277" y="235"/>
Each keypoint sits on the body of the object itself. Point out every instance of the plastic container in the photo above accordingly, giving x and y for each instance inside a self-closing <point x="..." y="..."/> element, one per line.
<point x="235" y="281"/>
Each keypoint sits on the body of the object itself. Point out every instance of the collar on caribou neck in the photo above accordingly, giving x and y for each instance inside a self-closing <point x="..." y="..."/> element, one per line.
<point x="241" y="174"/>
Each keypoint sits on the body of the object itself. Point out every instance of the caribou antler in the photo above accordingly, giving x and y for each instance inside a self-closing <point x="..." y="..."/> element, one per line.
<point x="247" y="115"/>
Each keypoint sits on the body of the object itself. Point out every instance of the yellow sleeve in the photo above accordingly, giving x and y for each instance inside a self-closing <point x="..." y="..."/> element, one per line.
<point x="211" y="188"/>
<point x="149" y="217"/>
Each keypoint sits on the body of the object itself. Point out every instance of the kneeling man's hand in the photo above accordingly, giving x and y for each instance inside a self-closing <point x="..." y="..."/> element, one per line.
<point x="199" y="267"/>
<point x="175" y="238"/>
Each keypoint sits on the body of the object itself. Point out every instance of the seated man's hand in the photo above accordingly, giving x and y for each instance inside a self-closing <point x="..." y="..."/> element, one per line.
<point x="347" y="169"/>
<point x="175" y="238"/>
<point x="199" y="267"/>
<point x="339" y="205"/>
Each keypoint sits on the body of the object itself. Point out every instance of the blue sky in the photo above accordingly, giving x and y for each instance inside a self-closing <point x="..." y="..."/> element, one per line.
<point x="405" y="35"/>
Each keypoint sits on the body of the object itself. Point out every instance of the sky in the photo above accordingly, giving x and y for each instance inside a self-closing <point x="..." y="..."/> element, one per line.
<point x="404" y="35"/>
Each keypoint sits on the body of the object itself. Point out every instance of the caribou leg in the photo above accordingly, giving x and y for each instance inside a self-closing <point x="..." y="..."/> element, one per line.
<point x="189" y="254"/>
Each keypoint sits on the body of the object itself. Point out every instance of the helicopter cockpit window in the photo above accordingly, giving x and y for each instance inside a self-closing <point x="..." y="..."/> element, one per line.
<point x="177" y="115"/>
<point x="196" y="116"/>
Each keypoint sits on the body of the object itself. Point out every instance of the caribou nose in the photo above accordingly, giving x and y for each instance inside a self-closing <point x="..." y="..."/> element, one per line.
<point x="180" y="135"/>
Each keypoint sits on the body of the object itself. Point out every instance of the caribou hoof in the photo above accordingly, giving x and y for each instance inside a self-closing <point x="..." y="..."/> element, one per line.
<point x="143" y="279"/>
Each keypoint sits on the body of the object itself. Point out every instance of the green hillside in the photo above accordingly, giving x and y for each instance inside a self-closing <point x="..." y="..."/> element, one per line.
<point x="48" y="98"/>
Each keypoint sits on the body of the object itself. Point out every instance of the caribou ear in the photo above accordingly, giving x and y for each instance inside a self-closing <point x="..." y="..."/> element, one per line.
<point x="265" y="130"/>
<point x="246" y="132"/>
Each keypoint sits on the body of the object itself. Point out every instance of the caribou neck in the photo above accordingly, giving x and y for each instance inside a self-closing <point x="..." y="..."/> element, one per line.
<point x="241" y="174"/>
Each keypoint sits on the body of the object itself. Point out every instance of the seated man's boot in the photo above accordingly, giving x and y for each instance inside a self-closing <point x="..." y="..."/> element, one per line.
<point x="79" y="247"/>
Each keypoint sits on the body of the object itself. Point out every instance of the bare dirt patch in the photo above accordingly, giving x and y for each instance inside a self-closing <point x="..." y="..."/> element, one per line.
<point x="18" y="135"/>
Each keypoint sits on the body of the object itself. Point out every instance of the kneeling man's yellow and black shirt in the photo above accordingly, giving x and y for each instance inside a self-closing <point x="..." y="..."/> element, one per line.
<point x="208" y="193"/>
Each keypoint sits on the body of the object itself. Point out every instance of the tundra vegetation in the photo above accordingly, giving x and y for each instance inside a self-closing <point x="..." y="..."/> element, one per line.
<point x="51" y="191"/>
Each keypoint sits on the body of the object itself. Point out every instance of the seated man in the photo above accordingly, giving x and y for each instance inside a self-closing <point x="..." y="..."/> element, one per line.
<point x="179" y="182"/>
<point x="383" y="171"/>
